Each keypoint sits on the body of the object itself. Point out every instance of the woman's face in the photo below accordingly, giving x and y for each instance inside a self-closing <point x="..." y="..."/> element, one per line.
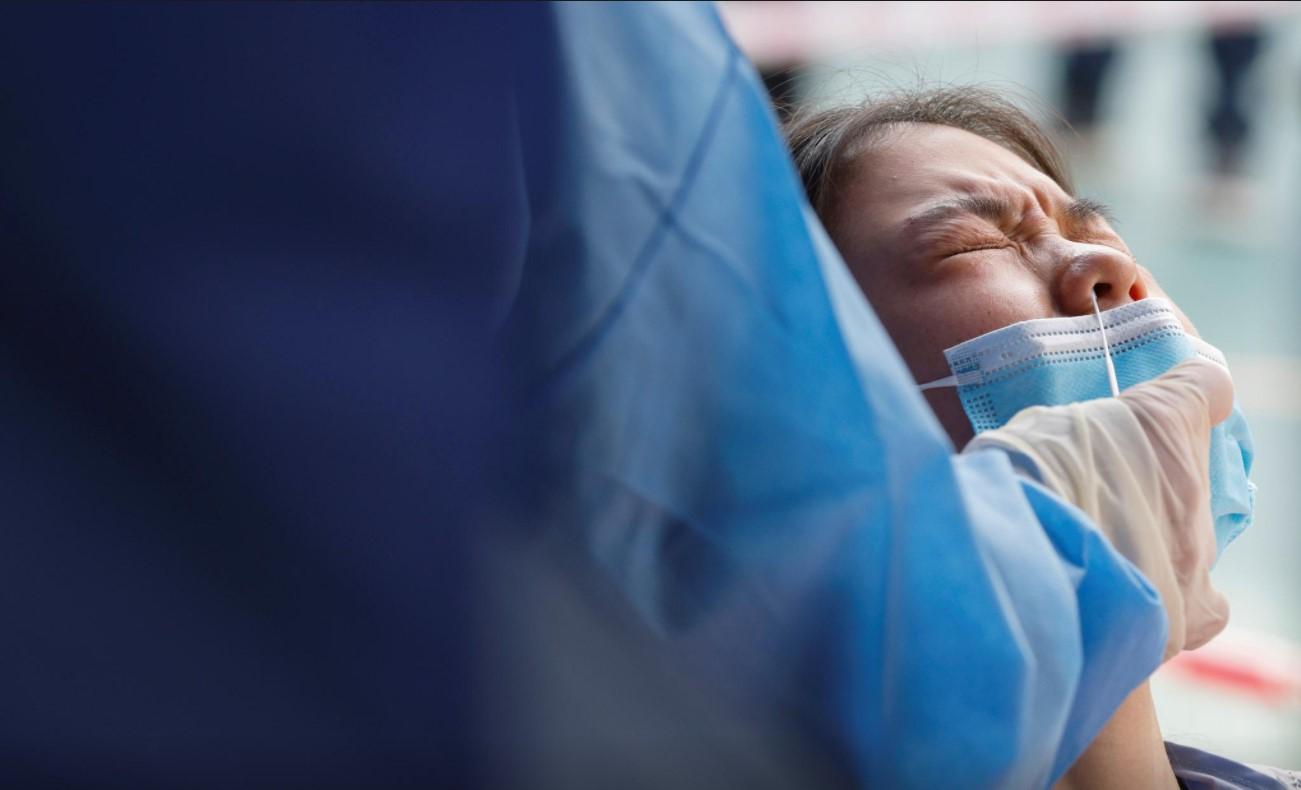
<point x="951" y="235"/>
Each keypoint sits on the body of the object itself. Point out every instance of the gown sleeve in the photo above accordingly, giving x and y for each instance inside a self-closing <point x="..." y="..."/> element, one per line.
<point x="709" y="366"/>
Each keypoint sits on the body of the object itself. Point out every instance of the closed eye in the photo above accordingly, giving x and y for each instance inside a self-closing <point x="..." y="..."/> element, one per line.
<point x="960" y="237"/>
<point x="980" y="248"/>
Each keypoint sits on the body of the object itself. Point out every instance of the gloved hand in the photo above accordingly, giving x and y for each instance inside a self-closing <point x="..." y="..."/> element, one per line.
<point x="1138" y="464"/>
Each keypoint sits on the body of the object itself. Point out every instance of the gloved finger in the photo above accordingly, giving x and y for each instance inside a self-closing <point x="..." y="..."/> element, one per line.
<point x="1210" y="615"/>
<point x="1196" y="383"/>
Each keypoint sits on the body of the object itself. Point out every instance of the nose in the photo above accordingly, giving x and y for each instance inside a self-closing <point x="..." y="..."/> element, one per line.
<point x="1097" y="269"/>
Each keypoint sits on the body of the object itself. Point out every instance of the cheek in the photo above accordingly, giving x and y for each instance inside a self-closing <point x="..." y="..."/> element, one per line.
<point x="948" y="410"/>
<point x="1154" y="289"/>
<point x="926" y="310"/>
<point x="930" y="319"/>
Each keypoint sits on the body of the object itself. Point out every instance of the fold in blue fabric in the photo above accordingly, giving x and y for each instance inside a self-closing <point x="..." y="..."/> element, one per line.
<point x="706" y="363"/>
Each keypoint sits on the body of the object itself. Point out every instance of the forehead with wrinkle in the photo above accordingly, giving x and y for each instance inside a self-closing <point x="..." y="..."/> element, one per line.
<point x="919" y="163"/>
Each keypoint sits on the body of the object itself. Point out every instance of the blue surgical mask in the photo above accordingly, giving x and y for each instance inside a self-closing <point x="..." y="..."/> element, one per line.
<point x="1055" y="361"/>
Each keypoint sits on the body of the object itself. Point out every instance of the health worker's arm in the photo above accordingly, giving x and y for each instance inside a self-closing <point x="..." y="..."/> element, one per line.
<point x="740" y="450"/>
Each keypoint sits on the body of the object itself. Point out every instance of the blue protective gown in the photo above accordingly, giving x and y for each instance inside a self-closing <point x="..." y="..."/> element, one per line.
<point x="250" y="257"/>
<point x="749" y="457"/>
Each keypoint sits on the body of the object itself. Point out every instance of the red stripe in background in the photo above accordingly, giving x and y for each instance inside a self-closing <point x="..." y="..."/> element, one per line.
<point x="1273" y="681"/>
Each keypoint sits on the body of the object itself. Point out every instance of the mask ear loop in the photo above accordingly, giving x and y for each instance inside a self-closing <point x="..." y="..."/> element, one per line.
<point x="947" y="381"/>
<point x="1106" y="348"/>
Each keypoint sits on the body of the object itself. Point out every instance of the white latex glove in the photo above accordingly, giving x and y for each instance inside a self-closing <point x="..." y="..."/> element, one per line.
<point x="1138" y="464"/>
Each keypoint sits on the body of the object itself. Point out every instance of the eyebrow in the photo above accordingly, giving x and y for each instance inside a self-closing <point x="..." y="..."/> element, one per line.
<point x="986" y="206"/>
<point x="1084" y="209"/>
<point x="997" y="208"/>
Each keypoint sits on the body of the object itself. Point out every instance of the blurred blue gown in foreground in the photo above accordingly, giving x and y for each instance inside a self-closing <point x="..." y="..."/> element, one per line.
<point x="749" y="459"/>
<point x="254" y="421"/>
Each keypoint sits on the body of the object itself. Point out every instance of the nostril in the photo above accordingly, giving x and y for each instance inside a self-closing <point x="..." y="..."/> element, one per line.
<point x="1101" y="290"/>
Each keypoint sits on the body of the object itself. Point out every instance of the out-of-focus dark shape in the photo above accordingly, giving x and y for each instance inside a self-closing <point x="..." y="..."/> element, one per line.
<point x="1233" y="52"/>
<point x="782" y="84"/>
<point x="249" y="398"/>
<point x="1084" y="70"/>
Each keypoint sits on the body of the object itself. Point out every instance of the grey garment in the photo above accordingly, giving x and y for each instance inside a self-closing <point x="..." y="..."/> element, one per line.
<point x="1199" y="770"/>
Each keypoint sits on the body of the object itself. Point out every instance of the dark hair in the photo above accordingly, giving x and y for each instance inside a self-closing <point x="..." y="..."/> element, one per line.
<point x="826" y="142"/>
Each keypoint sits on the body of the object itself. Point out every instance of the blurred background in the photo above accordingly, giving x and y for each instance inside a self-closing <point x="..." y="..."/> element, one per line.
<point x="1185" y="118"/>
